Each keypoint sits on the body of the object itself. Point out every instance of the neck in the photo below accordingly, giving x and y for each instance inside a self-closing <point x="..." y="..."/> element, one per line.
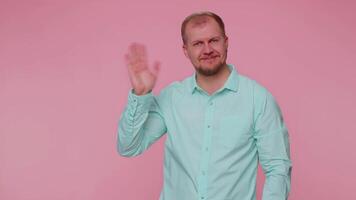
<point x="211" y="84"/>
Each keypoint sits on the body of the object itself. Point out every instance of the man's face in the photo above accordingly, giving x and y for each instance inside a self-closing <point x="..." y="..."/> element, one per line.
<point x="206" y="47"/>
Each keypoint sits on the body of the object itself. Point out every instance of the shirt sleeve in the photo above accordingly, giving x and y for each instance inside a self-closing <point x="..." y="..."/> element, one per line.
<point x="140" y="125"/>
<point x="272" y="142"/>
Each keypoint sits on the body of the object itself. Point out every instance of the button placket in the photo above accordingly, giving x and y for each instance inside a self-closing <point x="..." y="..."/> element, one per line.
<point x="208" y="130"/>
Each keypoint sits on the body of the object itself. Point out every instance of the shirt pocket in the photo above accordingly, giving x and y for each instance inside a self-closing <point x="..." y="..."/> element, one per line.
<point x="234" y="131"/>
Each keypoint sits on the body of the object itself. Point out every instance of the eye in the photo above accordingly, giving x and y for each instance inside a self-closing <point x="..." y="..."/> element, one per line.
<point x="214" y="40"/>
<point x="197" y="43"/>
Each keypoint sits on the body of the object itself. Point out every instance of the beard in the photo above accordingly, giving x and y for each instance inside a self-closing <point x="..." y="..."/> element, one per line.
<point x="211" y="71"/>
<point x="205" y="71"/>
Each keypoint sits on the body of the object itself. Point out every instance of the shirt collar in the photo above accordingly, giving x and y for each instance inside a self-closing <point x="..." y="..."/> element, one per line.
<point x="230" y="84"/>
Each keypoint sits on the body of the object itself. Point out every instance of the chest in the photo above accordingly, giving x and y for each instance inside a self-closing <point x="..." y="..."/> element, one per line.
<point x="225" y="119"/>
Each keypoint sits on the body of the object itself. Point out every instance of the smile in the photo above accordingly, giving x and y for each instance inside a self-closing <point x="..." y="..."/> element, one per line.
<point x="209" y="58"/>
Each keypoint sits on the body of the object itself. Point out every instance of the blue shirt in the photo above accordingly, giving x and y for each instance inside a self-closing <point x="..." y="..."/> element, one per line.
<point x="214" y="142"/>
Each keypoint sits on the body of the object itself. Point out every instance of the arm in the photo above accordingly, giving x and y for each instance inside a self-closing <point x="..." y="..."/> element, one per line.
<point x="142" y="123"/>
<point x="273" y="148"/>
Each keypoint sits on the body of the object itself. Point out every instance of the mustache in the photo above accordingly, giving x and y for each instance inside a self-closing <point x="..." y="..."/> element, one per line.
<point x="209" y="57"/>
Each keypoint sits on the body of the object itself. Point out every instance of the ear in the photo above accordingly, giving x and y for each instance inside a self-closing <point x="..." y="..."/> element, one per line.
<point x="227" y="41"/>
<point x="185" y="50"/>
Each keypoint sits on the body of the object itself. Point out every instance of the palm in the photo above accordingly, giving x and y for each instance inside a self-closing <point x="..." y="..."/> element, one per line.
<point x="142" y="78"/>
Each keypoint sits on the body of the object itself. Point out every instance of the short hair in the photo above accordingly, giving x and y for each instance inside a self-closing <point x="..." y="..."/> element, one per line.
<point x="200" y="18"/>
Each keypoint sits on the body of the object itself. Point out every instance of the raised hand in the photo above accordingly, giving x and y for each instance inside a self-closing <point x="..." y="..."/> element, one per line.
<point x="142" y="78"/>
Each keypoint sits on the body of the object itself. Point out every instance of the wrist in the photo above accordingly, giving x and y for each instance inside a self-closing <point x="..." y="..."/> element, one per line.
<point x="141" y="93"/>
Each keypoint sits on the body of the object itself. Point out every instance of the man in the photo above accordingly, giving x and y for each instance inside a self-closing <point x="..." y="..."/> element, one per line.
<point x="219" y="123"/>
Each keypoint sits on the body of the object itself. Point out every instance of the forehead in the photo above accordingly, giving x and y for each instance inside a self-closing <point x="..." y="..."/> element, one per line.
<point x="199" y="21"/>
<point x="203" y="27"/>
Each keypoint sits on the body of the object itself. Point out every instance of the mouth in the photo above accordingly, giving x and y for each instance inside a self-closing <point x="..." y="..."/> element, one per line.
<point x="210" y="58"/>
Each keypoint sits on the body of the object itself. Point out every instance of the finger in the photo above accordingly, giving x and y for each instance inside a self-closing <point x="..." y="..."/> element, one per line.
<point x="142" y="53"/>
<point x="129" y="61"/>
<point x="128" y="64"/>
<point x="156" y="68"/>
<point x="133" y="49"/>
<point x="132" y="72"/>
<point x="138" y="51"/>
<point x="130" y="52"/>
<point x="133" y="54"/>
<point x="137" y="56"/>
<point x="132" y="66"/>
<point x="133" y="63"/>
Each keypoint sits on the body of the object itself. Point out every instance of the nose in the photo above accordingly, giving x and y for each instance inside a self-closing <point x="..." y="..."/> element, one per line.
<point x="207" y="49"/>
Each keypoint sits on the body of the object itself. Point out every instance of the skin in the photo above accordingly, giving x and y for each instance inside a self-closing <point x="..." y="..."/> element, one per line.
<point x="206" y="48"/>
<point x="142" y="78"/>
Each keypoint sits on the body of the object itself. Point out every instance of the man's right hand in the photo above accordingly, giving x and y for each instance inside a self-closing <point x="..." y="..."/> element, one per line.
<point x="142" y="78"/>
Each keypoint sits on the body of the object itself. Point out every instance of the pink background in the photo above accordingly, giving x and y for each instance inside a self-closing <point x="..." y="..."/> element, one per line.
<point x="63" y="85"/>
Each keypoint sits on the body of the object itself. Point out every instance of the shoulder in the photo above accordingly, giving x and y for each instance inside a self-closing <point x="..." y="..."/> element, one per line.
<point x="251" y="85"/>
<point x="264" y="103"/>
<point x="177" y="87"/>
<point x="172" y="92"/>
<point x="260" y="94"/>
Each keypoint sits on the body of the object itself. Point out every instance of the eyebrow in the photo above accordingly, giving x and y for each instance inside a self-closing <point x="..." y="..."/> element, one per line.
<point x="215" y="37"/>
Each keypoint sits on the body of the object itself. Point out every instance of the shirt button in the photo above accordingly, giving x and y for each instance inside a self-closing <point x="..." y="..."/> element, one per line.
<point x="208" y="126"/>
<point x="206" y="149"/>
<point x="202" y="197"/>
<point x="211" y="103"/>
<point x="203" y="172"/>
